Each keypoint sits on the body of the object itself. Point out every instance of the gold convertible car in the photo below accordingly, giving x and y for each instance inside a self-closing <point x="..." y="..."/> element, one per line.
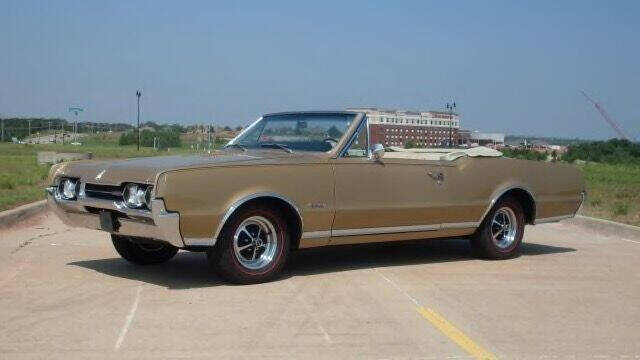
<point x="305" y="179"/>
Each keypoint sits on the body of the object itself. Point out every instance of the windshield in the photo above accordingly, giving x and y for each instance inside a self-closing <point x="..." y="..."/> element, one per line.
<point x="304" y="132"/>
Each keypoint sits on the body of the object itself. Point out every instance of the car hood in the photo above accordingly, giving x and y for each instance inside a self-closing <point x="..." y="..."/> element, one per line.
<point x="145" y="170"/>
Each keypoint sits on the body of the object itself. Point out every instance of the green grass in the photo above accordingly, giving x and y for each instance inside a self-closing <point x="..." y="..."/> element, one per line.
<point x="22" y="180"/>
<point x="613" y="192"/>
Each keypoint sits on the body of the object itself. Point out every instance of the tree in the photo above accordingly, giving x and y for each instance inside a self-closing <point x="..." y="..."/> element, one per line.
<point x="410" y="144"/>
<point x="227" y="128"/>
<point x="614" y="151"/>
<point x="164" y="138"/>
<point x="333" y="132"/>
<point x="150" y="124"/>
<point x="238" y="128"/>
<point x="177" y="127"/>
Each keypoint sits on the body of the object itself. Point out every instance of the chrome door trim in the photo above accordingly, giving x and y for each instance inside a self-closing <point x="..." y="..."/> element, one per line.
<point x="316" y="234"/>
<point x="385" y="230"/>
<point x="460" y="225"/>
<point x="197" y="241"/>
<point x="553" y="219"/>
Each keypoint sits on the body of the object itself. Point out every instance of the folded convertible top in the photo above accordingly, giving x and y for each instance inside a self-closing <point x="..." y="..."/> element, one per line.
<point x="440" y="154"/>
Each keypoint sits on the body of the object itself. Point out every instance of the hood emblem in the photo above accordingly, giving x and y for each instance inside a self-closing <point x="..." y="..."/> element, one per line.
<point x="99" y="176"/>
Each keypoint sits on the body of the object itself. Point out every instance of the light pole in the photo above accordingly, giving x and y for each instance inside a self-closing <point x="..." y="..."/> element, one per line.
<point x="138" y="94"/>
<point x="450" y="107"/>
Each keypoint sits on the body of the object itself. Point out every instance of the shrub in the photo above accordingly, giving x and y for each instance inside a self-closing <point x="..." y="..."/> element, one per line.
<point x="127" y="138"/>
<point x="620" y="208"/>
<point x="164" y="138"/>
<point x="7" y="184"/>
<point x="410" y="144"/>
<point x="525" y="154"/>
<point x="614" y="151"/>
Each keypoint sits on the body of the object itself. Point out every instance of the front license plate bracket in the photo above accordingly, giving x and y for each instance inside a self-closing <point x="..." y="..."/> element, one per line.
<point x="108" y="221"/>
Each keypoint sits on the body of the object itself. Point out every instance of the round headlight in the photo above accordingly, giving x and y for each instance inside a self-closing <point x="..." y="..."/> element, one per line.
<point x="69" y="188"/>
<point x="135" y="195"/>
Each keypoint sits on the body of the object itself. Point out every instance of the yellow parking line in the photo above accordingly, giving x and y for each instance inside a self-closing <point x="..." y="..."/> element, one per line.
<point x="454" y="334"/>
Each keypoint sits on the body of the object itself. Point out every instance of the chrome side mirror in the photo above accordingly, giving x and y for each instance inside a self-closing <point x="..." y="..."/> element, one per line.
<point x="378" y="152"/>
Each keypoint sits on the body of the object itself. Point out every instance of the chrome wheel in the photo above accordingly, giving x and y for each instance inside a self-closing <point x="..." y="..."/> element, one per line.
<point x="255" y="243"/>
<point x="504" y="227"/>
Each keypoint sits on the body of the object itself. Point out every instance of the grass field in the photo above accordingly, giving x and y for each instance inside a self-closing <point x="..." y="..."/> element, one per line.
<point x="613" y="190"/>
<point x="22" y="179"/>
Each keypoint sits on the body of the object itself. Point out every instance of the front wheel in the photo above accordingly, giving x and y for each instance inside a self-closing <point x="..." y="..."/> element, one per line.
<point x="147" y="253"/>
<point x="252" y="247"/>
<point x="500" y="234"/>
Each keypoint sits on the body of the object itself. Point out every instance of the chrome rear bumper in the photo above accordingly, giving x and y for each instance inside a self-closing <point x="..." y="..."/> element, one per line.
<point x="156" y="224"/>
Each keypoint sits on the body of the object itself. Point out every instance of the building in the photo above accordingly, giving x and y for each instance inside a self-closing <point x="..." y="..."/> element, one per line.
<point x="475" y="138"/>
<point x="422" y="128"/>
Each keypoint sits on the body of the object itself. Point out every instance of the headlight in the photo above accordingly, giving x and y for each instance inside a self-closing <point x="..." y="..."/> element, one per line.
<point x="137" y="196"/>
<point x="68" y="189"/>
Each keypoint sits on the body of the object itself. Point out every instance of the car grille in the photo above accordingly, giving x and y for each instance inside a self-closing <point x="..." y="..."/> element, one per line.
<point x="106" y="192"/>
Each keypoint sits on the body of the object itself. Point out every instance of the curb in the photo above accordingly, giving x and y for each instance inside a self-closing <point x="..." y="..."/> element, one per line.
<point x="607" y="227"/>
<point x="10" y="217"/>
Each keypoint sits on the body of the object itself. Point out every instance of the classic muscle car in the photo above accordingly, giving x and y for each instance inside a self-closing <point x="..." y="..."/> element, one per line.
<point x="306" y="179"/>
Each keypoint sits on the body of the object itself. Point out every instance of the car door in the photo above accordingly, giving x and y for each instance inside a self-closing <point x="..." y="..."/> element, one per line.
<point x="384" y="197"/>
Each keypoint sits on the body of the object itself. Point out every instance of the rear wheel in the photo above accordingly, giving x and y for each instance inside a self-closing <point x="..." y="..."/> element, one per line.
<point x="253" y="246"/>
<point x="143" y="253"/>
<point x="500" y="234"/>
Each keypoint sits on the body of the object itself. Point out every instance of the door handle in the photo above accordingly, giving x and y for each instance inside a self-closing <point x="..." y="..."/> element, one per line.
<point x="439" y="177"/>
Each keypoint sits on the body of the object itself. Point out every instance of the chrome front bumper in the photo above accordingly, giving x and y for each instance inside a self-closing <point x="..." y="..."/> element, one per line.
<point x="156" y="224"/>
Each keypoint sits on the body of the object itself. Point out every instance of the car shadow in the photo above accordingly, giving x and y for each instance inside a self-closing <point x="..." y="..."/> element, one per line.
<point x="186" y="270"/>
<point x="353" y="257"/>
<point x="191" y="270"/>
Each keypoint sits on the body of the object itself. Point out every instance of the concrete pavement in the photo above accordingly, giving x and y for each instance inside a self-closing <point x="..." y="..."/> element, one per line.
<point x="65" y="293"/>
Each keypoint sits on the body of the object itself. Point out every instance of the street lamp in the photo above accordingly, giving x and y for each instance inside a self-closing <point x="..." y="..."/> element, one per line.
<point x="450" y="107"/>
<point x="138" y="94"/>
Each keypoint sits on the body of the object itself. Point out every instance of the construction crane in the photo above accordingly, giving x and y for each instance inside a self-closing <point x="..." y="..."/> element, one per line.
<point x="608" y="119"/>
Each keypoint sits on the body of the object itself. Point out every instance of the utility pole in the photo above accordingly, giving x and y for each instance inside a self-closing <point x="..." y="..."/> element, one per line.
<point x="450" y="107"/>
<point x="29" y="121"/>
<point x="1" y="130"/>
<point x="138" y="94"/>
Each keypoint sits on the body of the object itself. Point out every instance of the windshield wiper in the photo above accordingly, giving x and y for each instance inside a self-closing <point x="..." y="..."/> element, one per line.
<point x="279" y="146"/>
<point x="242" y="147"/>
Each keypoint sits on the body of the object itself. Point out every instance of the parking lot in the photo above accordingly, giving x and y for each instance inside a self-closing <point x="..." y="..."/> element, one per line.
<point x="573" y="293"/>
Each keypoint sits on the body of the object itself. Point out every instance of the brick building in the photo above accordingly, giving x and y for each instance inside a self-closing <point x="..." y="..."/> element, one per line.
<point x="423" y="128"/>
